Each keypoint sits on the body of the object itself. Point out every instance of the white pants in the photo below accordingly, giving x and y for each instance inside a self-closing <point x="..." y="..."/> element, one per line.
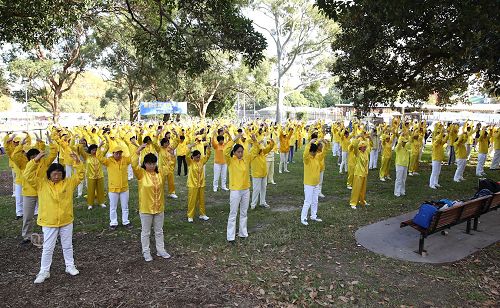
<point x="130" y="172"/>
<point x="259" y="189"/>
<point x="155" y="221"/>
<point x="459" y="173"/>
<point x="270" y="171"/>
<point x="220" y="170"/>
<point x="373" y="159"/>
<point x="336" y="149"/>
<point x="238" y="199"/>
<point x="283" y="161"/>
<point x="80" y="187"/>
<point x="495" y="163"/>
<point x="49" y="243"/>
<point x="481" y="159"/>
<point x="18" y="189"/>
<point x="468" y="149"/>
<point x="436" y="171"/>
<point x="311" y="194"/>
<point x="13" y="183"/>
<point x="113" y="205"/>
<point x="68" y="170"/>
<point x="320" y="185"/>
<point x="400" y="184"/>
<point x="343" y="164"/>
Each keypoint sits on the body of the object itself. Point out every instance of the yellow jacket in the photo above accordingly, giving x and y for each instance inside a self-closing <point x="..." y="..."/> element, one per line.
<point x="239" y="169"/>
<point x="93" y="167"/>
<point x="258" y="159"/>
<point x="482" y="142"/>
<point x="312" y="166"/>
<point x="387" y="146"/>
<point x="182" y="148"/>
<point x="196" y="174"/>
<point x="438" y="147"/>
<point x="55" y="201"/>
<point x="460" y="150"/>
<point x="117" y="171"/>
<point x="361" y="162"/>
<point x="403" y="154"/>
<point x="151" y="186"/>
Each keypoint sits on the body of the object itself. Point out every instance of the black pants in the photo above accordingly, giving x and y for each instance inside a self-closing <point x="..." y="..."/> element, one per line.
<point x="181" y="160"/>
<point x="451" y="158"/>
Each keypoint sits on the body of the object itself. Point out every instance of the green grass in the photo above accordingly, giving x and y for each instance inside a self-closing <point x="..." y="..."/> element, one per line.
<point x="4" y="163"/>
<point x="283" y="261"/>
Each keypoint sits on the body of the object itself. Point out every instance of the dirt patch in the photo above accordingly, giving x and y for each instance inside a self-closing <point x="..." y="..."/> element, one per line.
<point x="113" y="273"/>
<point x="5" y="183"/>
<point x="285" y="209"/>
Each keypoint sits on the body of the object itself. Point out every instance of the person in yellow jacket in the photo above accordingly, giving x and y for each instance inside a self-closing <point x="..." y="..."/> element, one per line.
<point x="403" y="148"/>
<point x="482" y="150"/>
<point x="351" y="162"/>
<point x="220" y="166"/>
<point x="10" y="145"/>
<point x="461" y="157"/>
<point x="385" y="164"/>
<point x="55" y="215"/>
<point x="181" y="152"/>
<point x="312" y="170"/>
<point x="167" y="163"/>
<point x="196" y="183"/>
<point x="151" y="185"/>
<point x="438" y="143"/>
<point x="495" y="163"/>
<point x="344" y="146"/>
<point x="361" y="155"/>
<point x="284" y="137"/>
<point x="238" y="165"/>
<point x="259" y="171"/>
<point x="323" y="146"/>
<point x="416" y="145"/>
<point x="117" y="166"/>
<point x="94" y="175"/>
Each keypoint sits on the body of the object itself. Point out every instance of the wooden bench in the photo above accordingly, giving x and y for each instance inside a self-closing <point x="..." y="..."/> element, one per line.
<point x="492" y="205"/>
<point x="448" y="218"/>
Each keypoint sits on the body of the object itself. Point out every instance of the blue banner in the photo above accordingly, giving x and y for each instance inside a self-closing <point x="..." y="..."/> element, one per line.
<point x="152" y="108"/>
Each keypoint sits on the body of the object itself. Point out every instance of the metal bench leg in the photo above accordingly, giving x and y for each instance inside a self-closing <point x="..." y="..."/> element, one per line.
<point x="421" y="244"/>
<point x="467" y="229"/>
<point x="476" y="221"/>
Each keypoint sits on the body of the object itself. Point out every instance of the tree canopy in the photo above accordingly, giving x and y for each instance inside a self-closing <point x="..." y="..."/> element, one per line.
<point x="406" y="50"/>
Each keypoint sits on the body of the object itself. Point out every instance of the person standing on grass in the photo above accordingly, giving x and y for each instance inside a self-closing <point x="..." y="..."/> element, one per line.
<point x="117" y="166"/>
<point x="438" y="143"/>
<point x="323" y="146"/>
<point x="259" y="171"/>
<point x="181" y="152"/>
<point x="482" y="150"/>
<point x="344" y="146"/>
<point x="416" y="145"/>
<point x="238" y="164"/>
<point x="220" y="166"/>
<point x="385" y="164"/>
<point x="151" y="185"/>
<point x="196" y="183"/>
<point x="55" y="215"/>
<point x="403" y="148"/>
<point x="284" y="149"/>
<point x="312" y="170"/>
<point x="375" y="141"/>
<point x="495" y="163"/>
<point x="11" y="143"/>
<point x="270" y="161"/>
<point x="361" y="156"/>
<point x="94" y="174"/>
<point x="461" y="157"/>
<point x="167" y="164"/>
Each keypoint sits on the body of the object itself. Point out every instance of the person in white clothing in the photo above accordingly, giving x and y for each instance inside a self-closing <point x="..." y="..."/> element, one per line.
<point x="403" y="148"/>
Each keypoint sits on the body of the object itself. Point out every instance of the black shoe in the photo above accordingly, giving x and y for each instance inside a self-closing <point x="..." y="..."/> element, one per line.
<point x="19" y="217"/>
<point x="113" y="228"/>
<point x="25" y="241"/>
<point x="231" y="242"/>
<point x="128" y="226"/>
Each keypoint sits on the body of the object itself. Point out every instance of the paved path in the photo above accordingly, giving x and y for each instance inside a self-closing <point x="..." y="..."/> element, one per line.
<point x="388" y="239"/>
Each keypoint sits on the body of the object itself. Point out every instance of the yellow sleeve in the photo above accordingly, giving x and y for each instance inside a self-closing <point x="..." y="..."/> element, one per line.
<point x="77" y="177"/>
<point x="138" y="171"/>
<point x="30" y="173"/>
<point x="207" y="156"/>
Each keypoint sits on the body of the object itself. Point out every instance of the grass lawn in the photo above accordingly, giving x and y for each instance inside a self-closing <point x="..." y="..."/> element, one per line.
<point x="284" y="262"/>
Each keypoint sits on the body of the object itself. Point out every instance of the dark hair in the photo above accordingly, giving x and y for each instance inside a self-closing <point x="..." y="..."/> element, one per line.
<point x="163" y="141"/>
<point x="91" y="147"/>
<point x="236" y="148"/>
<point x="313" y="148"/>
<point x="240" y="130"/>
<point x="182" y="137"/>
<point x="314" y="136"/>
<point x="56" y="167"/>
<point x="146" y="139"/>
<point x="220" y="138"/>
<point x="133" y="137"/>
<point x="150" y="158"/>
<point x="195" y="153"/>
<point x="32" y="152"/>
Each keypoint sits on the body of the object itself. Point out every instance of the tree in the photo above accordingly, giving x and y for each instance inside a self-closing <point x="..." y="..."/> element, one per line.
<point x="406" y="50"/>
<point x="301" y="37"/>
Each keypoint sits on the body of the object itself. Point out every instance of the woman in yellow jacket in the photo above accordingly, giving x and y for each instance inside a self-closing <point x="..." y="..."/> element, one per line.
<point x="196" y="183"/>
<point x="238" y="165"/>
<point x="438" y="143"/>
<point x="94" y="174"/>
<point x="351" y="162"/>
<point x="259" y="171"/>
<point x="482" y="150"/>
<point x="403" y="148"/>
<point x="323" y="146"/>
<point x="386" y="157"/>
<point x="167" y="163"/>
<point x="416" y="145"/>
<point x="312" y="170"/>
<point x="495" y="163"/>
<point x="55" y="214"/>
<point x="461" y="157"/>
<point x="151" y="184"/>
<point x="358" y="194"/>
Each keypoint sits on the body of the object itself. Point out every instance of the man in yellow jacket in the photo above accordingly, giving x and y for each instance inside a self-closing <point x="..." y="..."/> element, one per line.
<point x="259" y="171"/>
<point x="461" y="157"/>
<point x="495" y="163"/>
<point x="361" y="156"/>
<point x="438" y="143"/>
<point x="403" y="149"/>
<point x="482" y="150"/>
<point x="55" y="216"/>
<point x="312" y="169"/>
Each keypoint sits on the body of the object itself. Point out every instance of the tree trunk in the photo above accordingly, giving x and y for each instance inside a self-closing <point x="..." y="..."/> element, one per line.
<point x="279" y="102"/>
<point x="166" y="117"/>
<point x="56" y="113"/>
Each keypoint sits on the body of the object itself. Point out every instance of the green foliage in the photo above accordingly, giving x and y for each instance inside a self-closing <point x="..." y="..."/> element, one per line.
<point x="407" y="50"/>
<point x="296" y="99"/>
<point x="5" y="102"/>
<point x="313" y="95"/>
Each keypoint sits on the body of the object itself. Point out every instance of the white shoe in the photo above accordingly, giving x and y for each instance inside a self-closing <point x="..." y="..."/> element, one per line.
<point x="215" y="189"/>
<point x="388" y="178"/>
<point x="190" y="219"/>
<point x="164" y="255"/>
<point x="89" y="207"/>
<point x="304" y="222"/>
<point x="416" y="173"/>
<point x="204" y="217"/>
<point x="410" y="173"/>
<point x="225" y="189"/>
<point x="79" y="196"/>
<point x="349" y="187"/>
<point x="40" y="277"/>
<point x="317" y="219"/>
<point x="437" y="185"/>
<point x="252" y="207"/>
<point x="278" y="172"/>
<point x="173" y="196"/>
<point x="382" y="179"/>
<point x="265" y="205"/>
<point x="103" y="206"/>
<point x="397" y="195"/>
<point x="321" y="195"/>
<point x="72" y="270"/>
<point x="147" y="257"/>
<point x="130" y="178"/>
<point x="273" y="183"/>
<point x="287" y="171"/>
<point x="462" y="179"/>
<point x="458" y="181"/>
<point x="353" y="207"/>
<point x="433" y="187"/>
<point x="367" y="204"/>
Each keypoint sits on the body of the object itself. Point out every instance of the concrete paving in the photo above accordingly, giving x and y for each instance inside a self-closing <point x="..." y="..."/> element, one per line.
<point x="388" y="239"/>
